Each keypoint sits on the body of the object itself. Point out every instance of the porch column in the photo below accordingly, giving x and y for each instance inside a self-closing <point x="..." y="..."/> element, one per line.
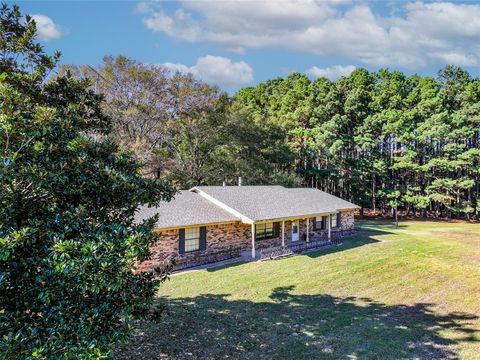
<point x="253" y="241"/>
<point x="329" y="222"/>
<point x="308" y="229"/>
<point x="283" y="233"/>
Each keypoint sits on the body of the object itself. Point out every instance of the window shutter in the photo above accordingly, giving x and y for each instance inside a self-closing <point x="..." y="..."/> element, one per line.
<point x="324" y="222"/>
<point x="314" y="222"/>
<point x="181" y="241"/>
<point x="203" y="237"/>
<point x="276" y="229"/>
<point x="338" y="219"/>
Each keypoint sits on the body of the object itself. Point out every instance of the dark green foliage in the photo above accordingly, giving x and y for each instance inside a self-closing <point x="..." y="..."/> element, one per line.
<point x="68" y="243"/>
<point x="381" y="140"/>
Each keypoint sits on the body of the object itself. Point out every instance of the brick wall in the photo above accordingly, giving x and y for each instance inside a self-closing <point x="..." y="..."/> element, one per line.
<point x="224" y="236"/>
<point x="347" y="221"/>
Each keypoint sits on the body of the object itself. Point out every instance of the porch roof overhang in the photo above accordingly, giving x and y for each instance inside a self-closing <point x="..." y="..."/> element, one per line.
<point x="298" y="217"/>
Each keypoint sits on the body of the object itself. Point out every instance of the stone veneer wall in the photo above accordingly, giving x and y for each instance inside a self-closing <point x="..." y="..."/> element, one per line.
<point x="222" y="237"/>
<point x="347" y="222"/>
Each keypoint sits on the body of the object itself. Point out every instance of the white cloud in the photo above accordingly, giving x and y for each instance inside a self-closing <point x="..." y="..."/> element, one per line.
<point x="143" y="7"/>
<point x="46" y="28"/>
<point x="216" y="70"/>
<point x="184" y="69"/>
<point x="424" y="33"/>
<point x="332" y="73"/>
<point x="457" y="58"/>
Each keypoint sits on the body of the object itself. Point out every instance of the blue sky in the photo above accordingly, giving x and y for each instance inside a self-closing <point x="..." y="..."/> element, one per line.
<point x="241" y="43"/>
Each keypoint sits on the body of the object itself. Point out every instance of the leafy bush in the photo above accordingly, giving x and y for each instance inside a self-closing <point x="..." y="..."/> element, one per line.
<point x="68" y="194"/>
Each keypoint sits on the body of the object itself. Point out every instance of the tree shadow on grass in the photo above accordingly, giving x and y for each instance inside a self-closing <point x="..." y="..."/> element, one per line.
<point x="227" y="266"/>
<point x="291" y="326"/>
<point x="364" y="236"/>
<point x="379" y="225"/>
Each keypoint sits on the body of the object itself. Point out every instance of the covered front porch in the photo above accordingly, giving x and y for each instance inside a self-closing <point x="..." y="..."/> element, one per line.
<point x="292" y="233"/>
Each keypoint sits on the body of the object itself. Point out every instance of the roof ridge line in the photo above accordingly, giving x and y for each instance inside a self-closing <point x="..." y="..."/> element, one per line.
<point x="225" y="207"/>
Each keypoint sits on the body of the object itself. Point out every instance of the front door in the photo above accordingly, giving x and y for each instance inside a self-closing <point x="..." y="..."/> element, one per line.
<point x="295" y="231"/>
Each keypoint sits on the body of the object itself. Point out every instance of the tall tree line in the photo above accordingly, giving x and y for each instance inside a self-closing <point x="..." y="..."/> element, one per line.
<point x="380" y="139"/>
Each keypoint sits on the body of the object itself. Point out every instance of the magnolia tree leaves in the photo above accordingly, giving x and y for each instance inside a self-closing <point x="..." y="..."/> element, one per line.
<point x="68" y="194"/>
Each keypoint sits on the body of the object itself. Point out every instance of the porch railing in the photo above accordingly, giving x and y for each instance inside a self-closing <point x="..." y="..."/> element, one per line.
<point x="301" y="246"/>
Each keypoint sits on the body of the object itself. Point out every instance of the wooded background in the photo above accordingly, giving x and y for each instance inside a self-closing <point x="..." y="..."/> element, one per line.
<point x="379" y="139"/>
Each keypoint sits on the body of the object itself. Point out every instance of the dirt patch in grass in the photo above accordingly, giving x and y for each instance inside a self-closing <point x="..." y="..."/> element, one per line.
<point x="369" y="216"/>
<point x="470" y="238"/>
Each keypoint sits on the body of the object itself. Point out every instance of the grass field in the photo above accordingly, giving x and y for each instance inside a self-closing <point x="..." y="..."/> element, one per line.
<point x="386" y="293"/>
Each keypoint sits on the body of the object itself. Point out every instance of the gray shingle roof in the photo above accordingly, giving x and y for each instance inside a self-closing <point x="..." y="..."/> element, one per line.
<point x="187" y="208"/>
<point x="257" y="203"/>
<point x="275" y="202"/>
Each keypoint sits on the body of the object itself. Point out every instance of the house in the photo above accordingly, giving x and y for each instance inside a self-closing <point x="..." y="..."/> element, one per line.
<point x="211" y="223"/>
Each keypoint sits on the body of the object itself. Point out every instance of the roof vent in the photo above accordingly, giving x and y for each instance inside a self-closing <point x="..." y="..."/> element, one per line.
<point x="224" y="183"/>
<point x="240" y="181"/>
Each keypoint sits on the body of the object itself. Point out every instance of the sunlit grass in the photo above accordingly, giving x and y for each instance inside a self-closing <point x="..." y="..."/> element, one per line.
<point x="387" y="292"/>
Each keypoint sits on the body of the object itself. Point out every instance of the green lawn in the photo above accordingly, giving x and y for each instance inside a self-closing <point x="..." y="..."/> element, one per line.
<point x="386" y="293"/>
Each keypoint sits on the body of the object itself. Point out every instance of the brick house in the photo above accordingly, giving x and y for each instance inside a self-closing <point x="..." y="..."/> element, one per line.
<point x="217" y="222"/>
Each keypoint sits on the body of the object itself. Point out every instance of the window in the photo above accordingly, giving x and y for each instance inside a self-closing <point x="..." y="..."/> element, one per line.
<point x="334" y="221"/>
<point x="263" y="231"/>
<point x="318" y="223"/>
<point x="192" y="239"/>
